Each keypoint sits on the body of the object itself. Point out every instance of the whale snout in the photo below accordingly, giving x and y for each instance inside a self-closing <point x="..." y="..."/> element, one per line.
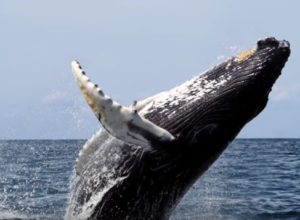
<point x="277" y="52"/>
<point x="268" y="61"/>
<point x="257" y="69"/>
<point x="272" y="42"/>
<point x="273" y="53"/>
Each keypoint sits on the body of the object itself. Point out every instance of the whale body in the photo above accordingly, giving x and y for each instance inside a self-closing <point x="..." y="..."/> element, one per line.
<point x="148" y="155"/>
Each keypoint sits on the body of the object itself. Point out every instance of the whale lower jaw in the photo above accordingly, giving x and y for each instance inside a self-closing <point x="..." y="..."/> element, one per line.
<point x="149" y="154"/>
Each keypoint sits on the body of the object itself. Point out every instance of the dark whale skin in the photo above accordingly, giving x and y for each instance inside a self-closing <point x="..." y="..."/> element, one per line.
<point x="148" y="184"/>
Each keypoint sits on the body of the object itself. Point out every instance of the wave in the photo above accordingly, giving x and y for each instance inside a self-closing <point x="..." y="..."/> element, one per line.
<point x="12" y="215"/>
<point x="288" y="215"/>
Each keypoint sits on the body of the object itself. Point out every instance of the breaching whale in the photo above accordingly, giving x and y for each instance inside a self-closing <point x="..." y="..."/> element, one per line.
<point x="147" y="155"/>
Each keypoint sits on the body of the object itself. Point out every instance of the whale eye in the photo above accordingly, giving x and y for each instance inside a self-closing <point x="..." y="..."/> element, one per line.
<point x="202" y="135"/>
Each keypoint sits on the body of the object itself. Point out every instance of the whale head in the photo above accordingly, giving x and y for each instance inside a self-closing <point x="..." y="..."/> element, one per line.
<point x="212" y="108"/>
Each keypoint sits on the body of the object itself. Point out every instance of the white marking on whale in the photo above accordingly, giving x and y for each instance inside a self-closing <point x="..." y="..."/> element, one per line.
<point x="122" y="122"/>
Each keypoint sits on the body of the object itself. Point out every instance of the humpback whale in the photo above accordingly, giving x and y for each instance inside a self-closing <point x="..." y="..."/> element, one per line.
<point x="147" y="155"/>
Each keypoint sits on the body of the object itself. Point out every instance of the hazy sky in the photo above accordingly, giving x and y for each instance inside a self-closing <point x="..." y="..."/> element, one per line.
<point x="133" y="49"/>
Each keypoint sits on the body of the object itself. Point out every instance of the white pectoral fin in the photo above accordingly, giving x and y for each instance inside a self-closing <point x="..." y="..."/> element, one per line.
<point x="141" y="129"/>
<point x="121" y="122"/>
<point x="93" y="95"/>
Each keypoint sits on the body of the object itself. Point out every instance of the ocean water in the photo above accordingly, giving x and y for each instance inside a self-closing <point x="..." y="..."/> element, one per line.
<point x="253" y="179"/>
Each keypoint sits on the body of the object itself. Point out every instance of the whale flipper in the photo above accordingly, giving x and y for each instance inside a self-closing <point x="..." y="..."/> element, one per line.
<point x="122" y="122"/>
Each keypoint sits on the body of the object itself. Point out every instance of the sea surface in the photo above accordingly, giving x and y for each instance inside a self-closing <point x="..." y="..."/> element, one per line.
<point x="253" y="179"/>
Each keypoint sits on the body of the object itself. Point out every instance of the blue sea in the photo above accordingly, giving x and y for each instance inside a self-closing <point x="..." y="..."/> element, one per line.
<point x="253" y="179"/>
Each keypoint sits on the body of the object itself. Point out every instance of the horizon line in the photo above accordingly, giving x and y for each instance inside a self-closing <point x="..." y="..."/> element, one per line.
<point x="77" y="139"/>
